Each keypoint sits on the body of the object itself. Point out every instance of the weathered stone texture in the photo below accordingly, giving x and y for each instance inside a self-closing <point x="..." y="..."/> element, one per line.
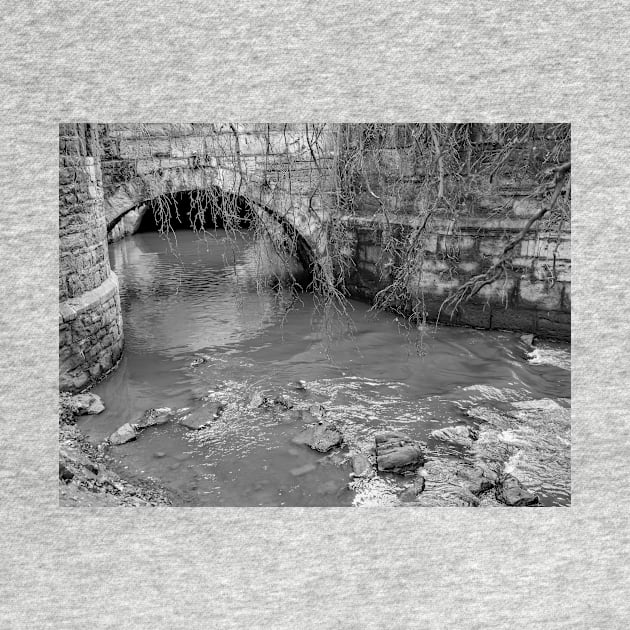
<point x="535" y="295"/>
<point x="90" y="323"/>
<point x="270" y="165"/>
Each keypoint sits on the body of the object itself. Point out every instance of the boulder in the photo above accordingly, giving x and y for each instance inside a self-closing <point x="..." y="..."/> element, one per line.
<point x="320" y="437"/>
<point x="299" y="385"/>
<point x="361" y="466"/>
<point x="203" y="416"/>
<point x="155" y="417"/>
<point x="84" y="404"/>
<point x="411" y="493"/>
<point x="123" y="434"/>
<point x="397" y="453"/>
<point x="281" y="400"/>
<point x="511" y="492"/>
<point x="257" y="400"/>
<point x="477" y="479"/>
<point x="460" y="434"/>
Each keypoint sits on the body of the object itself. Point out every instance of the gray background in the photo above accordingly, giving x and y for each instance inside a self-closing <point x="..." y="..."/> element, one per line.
<point x="312" y="568"/>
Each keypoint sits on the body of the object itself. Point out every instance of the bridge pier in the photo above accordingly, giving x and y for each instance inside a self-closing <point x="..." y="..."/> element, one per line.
<point x="90" y="320"/>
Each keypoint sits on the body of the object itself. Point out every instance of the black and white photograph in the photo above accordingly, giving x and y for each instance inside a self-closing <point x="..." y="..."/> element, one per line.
<point x="321" y="314"/>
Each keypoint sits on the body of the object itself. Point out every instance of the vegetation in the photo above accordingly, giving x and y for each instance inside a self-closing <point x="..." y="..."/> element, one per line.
<point x="417" y="171"/>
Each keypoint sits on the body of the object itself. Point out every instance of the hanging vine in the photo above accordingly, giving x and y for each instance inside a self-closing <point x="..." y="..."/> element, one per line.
<point x="405" y="177"/>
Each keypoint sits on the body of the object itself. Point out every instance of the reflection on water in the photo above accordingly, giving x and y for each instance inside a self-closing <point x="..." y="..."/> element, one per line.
<point x="195" y="325"/>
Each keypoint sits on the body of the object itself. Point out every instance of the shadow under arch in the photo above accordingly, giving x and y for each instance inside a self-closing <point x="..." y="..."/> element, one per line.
<point x="205" y="209"/>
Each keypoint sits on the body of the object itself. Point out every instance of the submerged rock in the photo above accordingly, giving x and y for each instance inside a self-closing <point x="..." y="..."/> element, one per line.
<point x="320" y="437"/>
<point x="281" y="400"/>
<point x="84" y="404"/>
<point x="411" y="493"/>
<point x="155" y="417"/>
<point x="460" y="434"/>
<point x="199" y="359"/>
<point x="511" y="492"/>
<point x="361" y="466"/>
<point x="397" y="453"/>
<point x="203" y="416"/>
<point x="303" y="470"/>
<point x="123" y="434"/>
<point x="299" y="385"/>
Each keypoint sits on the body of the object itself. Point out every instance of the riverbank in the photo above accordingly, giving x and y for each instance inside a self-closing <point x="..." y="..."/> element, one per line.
<point x="89" y="475"/>
<point x="490" y="447"/>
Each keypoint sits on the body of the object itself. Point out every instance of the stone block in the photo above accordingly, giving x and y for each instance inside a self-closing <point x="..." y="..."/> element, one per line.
<point x="550" y="248"/>
<point x="434" y="265"/>
<point x="499" y="291"/>
<point x="525" y="207"/>
<point x="492" y="246"/>
<point x="470" y="267"/>
<point x="533" y="293"/>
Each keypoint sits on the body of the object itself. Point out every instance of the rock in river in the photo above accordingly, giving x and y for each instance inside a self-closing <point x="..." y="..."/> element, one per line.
<point x="154" y="417"/>
<point x="123" y="434"/>
<point x="281" y="400"/>
<point x="397" y="453"/>
<point x="361" y="466"/>
<point x="83" y="404"/>
<point x="460" y="434"/>
<point x="201" y="417"/>
<point x="477" y="479"/>
<point x="511" y="492"/>
<point x="411" y="493"/>
<point x="320" y="437"/>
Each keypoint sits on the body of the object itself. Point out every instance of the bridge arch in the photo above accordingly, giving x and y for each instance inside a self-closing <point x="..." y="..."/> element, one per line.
<point x="128" y="201"/>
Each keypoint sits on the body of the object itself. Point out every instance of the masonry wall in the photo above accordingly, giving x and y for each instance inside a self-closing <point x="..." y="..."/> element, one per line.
<point x="90" y="323"/>
<point x="108" y="173"/>
<point x="534" y="296"/>
<point x="284" y="168"/>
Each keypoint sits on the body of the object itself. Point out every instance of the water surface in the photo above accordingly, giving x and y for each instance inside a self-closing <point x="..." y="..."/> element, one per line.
<point x="200" y="320"/>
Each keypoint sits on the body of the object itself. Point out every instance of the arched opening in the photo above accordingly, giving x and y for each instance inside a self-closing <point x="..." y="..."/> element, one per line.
<point x="197" y="210"/>
<point x="213" y="209"/>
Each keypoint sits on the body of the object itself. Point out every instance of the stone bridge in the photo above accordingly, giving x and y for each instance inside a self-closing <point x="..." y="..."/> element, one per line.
<point x="108" y="175"/>
<point x="282" y="170"/>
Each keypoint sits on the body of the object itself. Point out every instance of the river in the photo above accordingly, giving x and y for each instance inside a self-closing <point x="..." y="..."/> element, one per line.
<point x="200" y="322"/>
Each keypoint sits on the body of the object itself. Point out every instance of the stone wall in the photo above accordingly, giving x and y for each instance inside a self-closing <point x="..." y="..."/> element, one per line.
<point x="90" y="323"/>
<point x="282" y="168"/>
<point x="534" y="296"/>
<point x="109" y="173"/>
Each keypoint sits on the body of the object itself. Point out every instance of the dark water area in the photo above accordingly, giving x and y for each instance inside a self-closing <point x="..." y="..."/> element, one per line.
<point x="201" y="322"/>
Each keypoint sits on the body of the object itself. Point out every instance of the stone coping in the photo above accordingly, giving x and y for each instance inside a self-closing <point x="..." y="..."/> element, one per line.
<point x="446" y="225"/>
<point x="72" y="308"/>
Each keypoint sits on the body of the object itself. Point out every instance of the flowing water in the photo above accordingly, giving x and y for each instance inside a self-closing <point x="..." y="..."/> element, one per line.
<point x="199" y="326"/>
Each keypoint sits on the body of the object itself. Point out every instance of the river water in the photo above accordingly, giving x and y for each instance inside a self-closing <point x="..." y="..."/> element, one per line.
<point x="201" y="323"/>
